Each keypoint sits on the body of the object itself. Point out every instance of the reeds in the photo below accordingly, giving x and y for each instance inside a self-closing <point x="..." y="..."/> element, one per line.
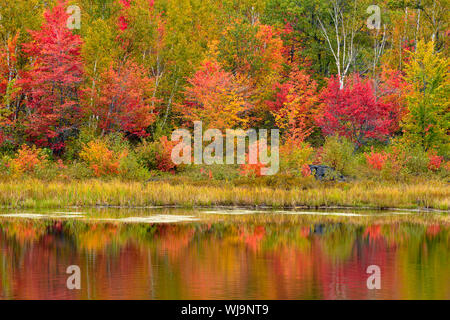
<point x="32" y="193"/>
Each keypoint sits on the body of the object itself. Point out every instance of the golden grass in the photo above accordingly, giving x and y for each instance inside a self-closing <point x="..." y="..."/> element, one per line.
<point x="31" y="193"/>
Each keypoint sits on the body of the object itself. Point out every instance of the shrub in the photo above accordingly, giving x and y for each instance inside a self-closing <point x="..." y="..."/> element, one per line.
<point x="50" y="171"/>
<point x="413" y="157"/>
<point x="75" y="144"/>
<point x="117" y="142"/>
<point x="157" y="155"/>
<point x="447" y="166"/>
<point x="5" y="165"/>
<point x="294" y="158"/>
<point x="253" y="169"/>
<point x="376" y="160"/>
<point x="390" y="164"/>
<point x="101" y="159"/>
<point x="434" y="161"/>
<point x="164" y="161"/>
<point x="131" y="169"/>
<point x="146" y="154"/>
<point x="27" y="160"/>
<point x="306" y="171"/>
<point x="338" y="153"/>
<point x="417" y="160"/>
<point x="395" y="167"/>
<point x="445" y="171"/>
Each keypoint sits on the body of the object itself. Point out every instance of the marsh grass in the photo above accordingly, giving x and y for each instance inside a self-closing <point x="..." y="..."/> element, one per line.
<point x="32" y="193"/>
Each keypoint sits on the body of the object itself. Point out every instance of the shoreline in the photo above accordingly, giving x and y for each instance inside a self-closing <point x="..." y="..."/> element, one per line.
<point x="256" y="208"/>
<point x="433" y="196"/>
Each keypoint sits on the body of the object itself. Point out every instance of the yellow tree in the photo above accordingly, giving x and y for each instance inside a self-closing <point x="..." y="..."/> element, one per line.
<point x="298" y="111"/>
<point x="428" y="118"/>
<point x="217" y="98"/>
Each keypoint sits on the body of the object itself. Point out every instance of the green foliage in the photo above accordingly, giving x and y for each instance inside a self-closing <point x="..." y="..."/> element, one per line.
<point x="146" y="154"/>
<point x="238" y="48"/>
<point x="293" y="159"/>
<point x="5" y="168"/>
<point x="258" y="44"/>
<point x="428" y="120"/>
<point x="75" y="143"/>
<point x="302" y="16"/>
<point x="338" y="153"/>
<point x="417" y="159"/>
<point x="18" y="18"/>
<point x="131" y="169"/>
<point x="157" y="155"/>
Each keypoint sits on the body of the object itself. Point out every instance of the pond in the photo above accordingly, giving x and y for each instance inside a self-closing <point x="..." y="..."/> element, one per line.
<point x="169" y="253"/>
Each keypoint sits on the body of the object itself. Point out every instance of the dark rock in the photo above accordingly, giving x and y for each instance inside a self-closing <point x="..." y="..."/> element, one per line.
<point x="322" y="172"/>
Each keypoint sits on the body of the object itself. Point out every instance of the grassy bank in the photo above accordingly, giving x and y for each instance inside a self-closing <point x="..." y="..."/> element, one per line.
<point x="32" y="193"/>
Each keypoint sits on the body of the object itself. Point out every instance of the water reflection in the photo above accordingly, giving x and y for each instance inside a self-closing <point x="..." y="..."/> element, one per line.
<point x="264" y="256"/>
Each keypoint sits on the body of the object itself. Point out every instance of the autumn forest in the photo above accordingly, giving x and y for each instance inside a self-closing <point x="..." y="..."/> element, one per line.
<point x="91" y="91"/>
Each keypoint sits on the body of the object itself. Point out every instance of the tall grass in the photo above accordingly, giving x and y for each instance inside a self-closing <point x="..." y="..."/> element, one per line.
<point x="31" y="193"/>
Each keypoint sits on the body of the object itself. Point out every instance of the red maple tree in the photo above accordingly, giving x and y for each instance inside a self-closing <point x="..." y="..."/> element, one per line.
<point x="52" y="81"/>
<point x="354" y="111"/>
<point x="217" y="97"/>
<point x="296" y="106"/>
<point x="391" y="91"/>
<point x="123" y="100"/>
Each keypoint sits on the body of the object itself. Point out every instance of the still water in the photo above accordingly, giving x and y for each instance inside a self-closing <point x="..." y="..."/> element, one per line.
<point x="165" y="253"/>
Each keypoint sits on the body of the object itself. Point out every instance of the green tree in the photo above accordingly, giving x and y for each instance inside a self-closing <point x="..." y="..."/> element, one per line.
<point x="428" y="118"/>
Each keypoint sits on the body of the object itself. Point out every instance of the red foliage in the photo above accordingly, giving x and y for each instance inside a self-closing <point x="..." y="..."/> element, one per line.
<point x="395" y="160"/>
<point x="52" y="82"/>
<point x="27" y="159"/>
<point x="390" y="92"/>
<point x="296" y="106"/>
<point x="125" y="3"/>
<point x="216" y="97"/>
<point x="101" y="159"/>
<point x="306" y="170"/>
<point x="164" y="155"/>
<point x="123" y="100"/>
<point x="447" y="166"/>
<point x="280" y="96"/>
<point x="376" y="160"/>
<point x="61" y="164"/>
<point x="252" y="169"/>
<point x="122" y="23"/>
<point x="354" y="111"/>
<point x="435" y="161"/>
